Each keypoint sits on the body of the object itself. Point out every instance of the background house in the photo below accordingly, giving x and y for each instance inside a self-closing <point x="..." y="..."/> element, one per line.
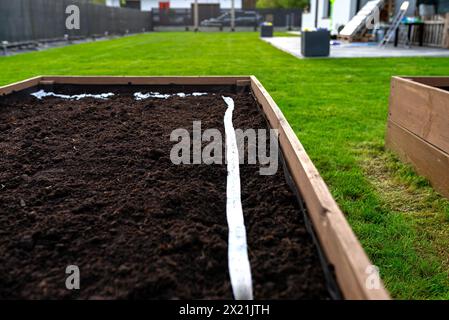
<point x="320" y="15"/>
<point x="436" y="20"/>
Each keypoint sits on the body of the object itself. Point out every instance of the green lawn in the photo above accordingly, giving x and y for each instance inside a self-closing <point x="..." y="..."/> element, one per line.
<point x="338" y="108"/>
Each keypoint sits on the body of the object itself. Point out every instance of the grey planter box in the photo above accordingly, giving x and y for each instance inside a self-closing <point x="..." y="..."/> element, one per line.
<point x="266" y="31"/>
<point x="315" y="43"/>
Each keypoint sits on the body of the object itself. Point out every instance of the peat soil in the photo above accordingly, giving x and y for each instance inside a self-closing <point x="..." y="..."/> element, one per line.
<point x="90" y="183"/>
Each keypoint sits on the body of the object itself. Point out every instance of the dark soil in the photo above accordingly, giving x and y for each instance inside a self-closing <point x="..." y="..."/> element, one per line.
<point x="90" y="183"/>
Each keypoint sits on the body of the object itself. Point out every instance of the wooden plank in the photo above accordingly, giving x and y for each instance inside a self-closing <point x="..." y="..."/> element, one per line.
<point x="421" y="109"/>
<point x="445" y="43"/>
<point x="125" y="80"/>
<point x="337" y="239"/>
<point x="243" y="83"/>
<point x="429" y="81"/>
<point x="428" y="161"/>
<point x="21" y="85"/>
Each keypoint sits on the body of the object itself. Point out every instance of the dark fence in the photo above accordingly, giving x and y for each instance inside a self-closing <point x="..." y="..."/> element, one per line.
<point x="172" y="17"/>
<point x="282" y="17"/>
<point x="23" y="20"/>
<point x="289" y="18"/>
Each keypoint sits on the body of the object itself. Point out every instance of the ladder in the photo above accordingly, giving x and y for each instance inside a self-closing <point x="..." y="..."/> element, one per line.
<point x="395" y="24"/>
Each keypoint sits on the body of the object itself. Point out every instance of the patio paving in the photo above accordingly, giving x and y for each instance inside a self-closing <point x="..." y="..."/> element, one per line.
<point x="292" y="45"/>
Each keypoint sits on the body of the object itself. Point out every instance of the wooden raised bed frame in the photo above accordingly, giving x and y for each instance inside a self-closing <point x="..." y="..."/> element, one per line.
<point x="341" y="247"/>
<point x="418" y="126"/>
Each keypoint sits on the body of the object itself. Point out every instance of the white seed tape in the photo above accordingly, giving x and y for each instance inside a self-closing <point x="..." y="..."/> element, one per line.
<point x="142" y="96"/>
<point x="238" y="262"/>
<point x="42" y="94"/>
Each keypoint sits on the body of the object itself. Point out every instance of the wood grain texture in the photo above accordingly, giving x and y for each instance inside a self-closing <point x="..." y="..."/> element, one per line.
<point x="428" y="161"/>
<point x="421" y="109"/>
<point x="169" y="80"/>
<point x="21" y="85"/>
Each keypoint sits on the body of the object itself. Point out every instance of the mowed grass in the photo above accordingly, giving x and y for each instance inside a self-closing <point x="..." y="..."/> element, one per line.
<point x="337" y="107"/>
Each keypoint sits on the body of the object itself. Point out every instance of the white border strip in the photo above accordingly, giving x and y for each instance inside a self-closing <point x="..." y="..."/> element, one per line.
<point x="42" y="94"/>
<point x="238" y="262"/>
<point x="142" y="96"/>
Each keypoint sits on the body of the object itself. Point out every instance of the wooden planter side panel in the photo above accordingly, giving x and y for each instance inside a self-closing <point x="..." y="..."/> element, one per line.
<point x="422" y="109"/>
<point x="21" y="85"/>
<point x="125" y="80"/>
<point x="434" y="81"/>
<point x="428" y="161"/>
<point x="339" y="242"/>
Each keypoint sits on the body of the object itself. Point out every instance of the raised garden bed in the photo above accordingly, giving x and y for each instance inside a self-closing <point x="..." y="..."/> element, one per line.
<point x="418" y="123"/>
<point x="89" y="182"/>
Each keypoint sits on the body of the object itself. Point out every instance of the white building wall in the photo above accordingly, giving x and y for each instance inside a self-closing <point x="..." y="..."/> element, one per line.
<point x="308" y="19"/>
<point x="113" y="3"/>
<point x="343" y="12"/>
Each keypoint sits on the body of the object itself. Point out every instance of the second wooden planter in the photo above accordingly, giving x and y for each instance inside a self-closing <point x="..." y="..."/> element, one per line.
<point x="418" y="126"/>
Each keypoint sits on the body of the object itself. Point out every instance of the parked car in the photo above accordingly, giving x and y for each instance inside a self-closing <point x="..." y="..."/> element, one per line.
<point x="242" y="19"/>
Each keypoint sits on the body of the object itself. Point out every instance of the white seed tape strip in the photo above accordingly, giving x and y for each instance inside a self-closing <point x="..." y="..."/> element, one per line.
<point x="137" y="95"/>
<point x="142" y="96"/>
<point x="238" y="262"/>
<point x="42" y="94"/>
